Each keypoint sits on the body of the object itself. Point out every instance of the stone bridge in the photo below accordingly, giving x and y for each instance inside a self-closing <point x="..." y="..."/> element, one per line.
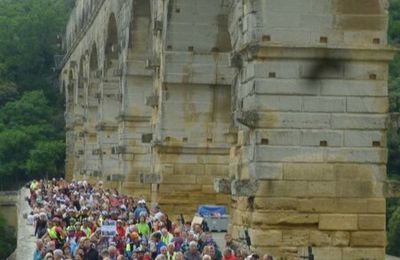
<point x="277" y="108"/>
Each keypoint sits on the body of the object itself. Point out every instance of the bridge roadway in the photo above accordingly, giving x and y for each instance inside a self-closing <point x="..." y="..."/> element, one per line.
<point x="26" y="240"/>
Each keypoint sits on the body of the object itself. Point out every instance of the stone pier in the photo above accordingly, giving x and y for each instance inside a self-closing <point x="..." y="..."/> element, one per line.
<point x="275" y="108"/>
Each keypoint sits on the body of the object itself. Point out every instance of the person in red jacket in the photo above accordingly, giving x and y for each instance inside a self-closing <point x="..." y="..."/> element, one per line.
<point x="228" y="254"/>
<point x="120" y="228"/>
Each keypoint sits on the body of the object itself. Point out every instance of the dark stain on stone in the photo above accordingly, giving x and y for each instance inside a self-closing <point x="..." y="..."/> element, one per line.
<point x="359" y="7"/>
<point x="361" y="15"/>
<point x="358" y="22"/>
<point x="223" y="42"/>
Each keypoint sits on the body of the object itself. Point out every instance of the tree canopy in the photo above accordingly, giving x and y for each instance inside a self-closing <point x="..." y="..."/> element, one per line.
<point x="31" y="108"/>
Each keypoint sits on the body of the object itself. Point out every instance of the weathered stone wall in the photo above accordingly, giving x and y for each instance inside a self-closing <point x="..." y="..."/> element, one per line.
<point x="284" y="101"/>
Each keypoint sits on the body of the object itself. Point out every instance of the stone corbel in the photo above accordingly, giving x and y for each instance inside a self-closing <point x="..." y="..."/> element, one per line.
<point x="244" y="188"/>
<point x="248" y="118"/>
<point x="222" y="186"/>
<point x="150" y="178"/>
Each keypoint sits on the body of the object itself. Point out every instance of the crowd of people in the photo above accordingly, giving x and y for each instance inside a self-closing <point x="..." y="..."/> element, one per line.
<point x="70" y="222"/>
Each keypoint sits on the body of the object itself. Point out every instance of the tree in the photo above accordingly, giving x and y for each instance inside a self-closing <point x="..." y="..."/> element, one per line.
<point x="28" y="41"/>
<point x="46" y="159"/>
<point x="8" y="239"/>
<point x="394" y="233"/>
<point x="31" y="146"/>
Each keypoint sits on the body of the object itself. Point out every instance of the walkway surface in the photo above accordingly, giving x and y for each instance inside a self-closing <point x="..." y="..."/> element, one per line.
<point x="26" y="239"/>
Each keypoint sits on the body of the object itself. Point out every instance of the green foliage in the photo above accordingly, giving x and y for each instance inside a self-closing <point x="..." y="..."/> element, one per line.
<point x="46" y="159"/>
<point x="31" y="109"/>
<point x="394" y="233"/>
<point x="28" y="41"/>
<point x="393" y="205"/>
<point x="394" y="89"/>
<point x="8" y="239"/>
<point x="29" y="143"/>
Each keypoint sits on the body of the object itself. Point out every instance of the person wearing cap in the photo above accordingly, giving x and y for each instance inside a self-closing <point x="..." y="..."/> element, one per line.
<point x="140" y="209"/>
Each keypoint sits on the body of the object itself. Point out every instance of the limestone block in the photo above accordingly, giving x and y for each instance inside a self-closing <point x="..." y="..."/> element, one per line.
<point x="324" y="104"/>
<point x="286" y="218"/>
<point x="282" y="189"/>
<point x="367" y="105"/>
<point x="360" y="172"/>
<point x="338" y="222"/>
<point x="321" y="189"/>
<point x="372" y="222"/>
<point x="362" y="70"/>
<point x="281" y="204"/>
<point x="352" y="205"/>
<point x="283" y="69"/>
<point x="281" y="86"/>
<point x="206" y="180"/>
<point x="266" y="171"/>
<point x="293" y="120"/>
<point x="377" y="205"/>
<point x="278" y="137"/>
<point x="192" y="169"/>
<point x="277" y="19"/>
<point x="319" y="238"/>
<point x="340" y="238"/>
<point x="296" y="237"/>
<point x="361" y="122"/>
<point x="364" y="138"/>
<point x="288" y="154"/>
<point x="317" y="205"/>
<point x="308" y="171"/>
<point x="358" y="253"/>
<point x="272" y="103"/>
<point x="368" y="238"/>
<point x="356" y="189"/>
<point x="352" y="155"/>
<point x="265" y="237"/>
<point x="354" y="88"/>
<point x="171" y="188"/>
<point x="179" y="179"/>
<point x="328" y="253"/>
<point x="314" y="138"/>
<point x="216" y="169"/>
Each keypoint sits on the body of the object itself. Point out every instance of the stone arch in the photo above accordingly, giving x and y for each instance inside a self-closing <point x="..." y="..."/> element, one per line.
<point x="92" y="92"/>
<point x="140" y="35"/>
<point x="93" y="61"/>
<point x="111" y="47"/>
<point x="70" y="93"/>
<point x="81" y="85"/>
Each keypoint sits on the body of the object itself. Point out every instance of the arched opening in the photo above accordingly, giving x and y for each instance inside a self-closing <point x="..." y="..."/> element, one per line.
<point x="92" y="97"/>
<point x="111" y="49"/>
<point x="81" y="87"/>
<point x="140" y="30"/>
<point x="70" y="94"/>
